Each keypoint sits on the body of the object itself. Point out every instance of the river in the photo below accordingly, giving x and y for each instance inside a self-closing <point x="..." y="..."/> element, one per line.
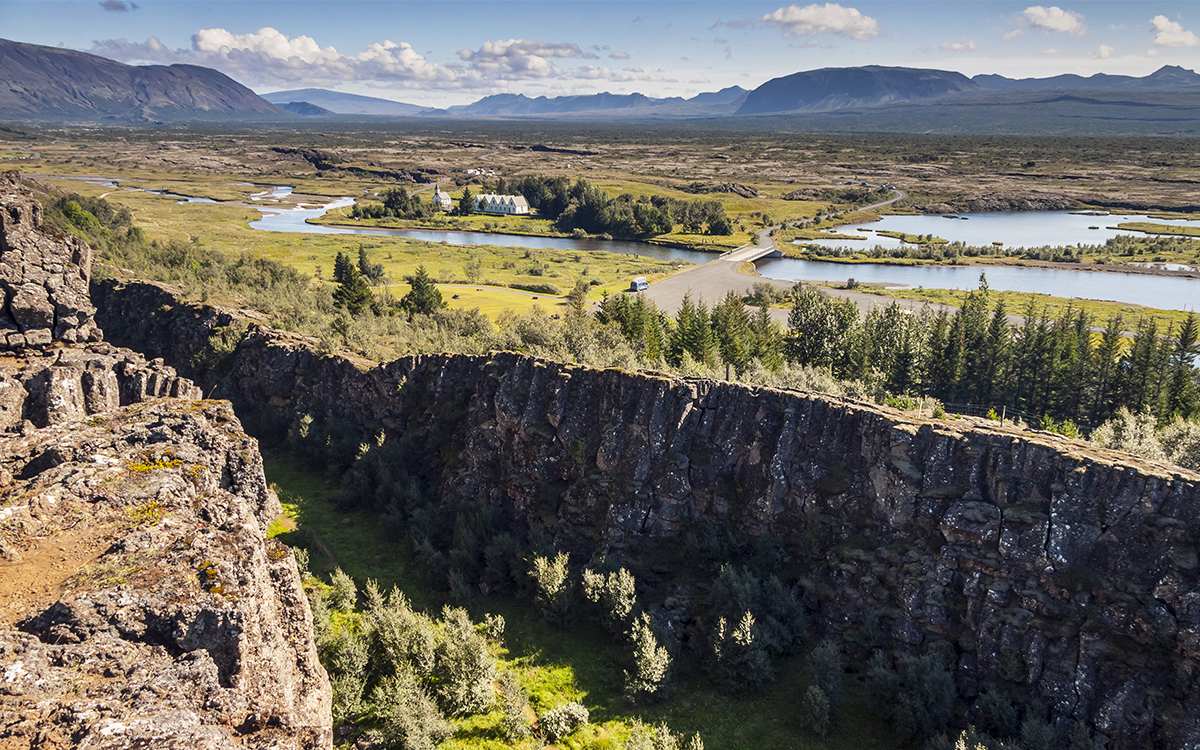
<point x="1139" y="289"/>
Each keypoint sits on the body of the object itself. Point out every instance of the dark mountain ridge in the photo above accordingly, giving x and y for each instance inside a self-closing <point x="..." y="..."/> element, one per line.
<point x="840" y="88"/>
<point x="47" y="83"/>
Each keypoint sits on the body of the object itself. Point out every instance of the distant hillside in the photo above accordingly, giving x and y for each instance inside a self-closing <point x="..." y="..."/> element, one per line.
<point x="1166" y="77"/>
<point x="724" y="96"/>
<point x="839" y="88"/>
<point x="47" y="83"/>
<point x="344" y="104"/>
<point x="305" y="108"/>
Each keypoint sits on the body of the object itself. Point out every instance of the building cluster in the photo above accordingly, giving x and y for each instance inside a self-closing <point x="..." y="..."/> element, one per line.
<point x="489" y="203"/>
<point x="485" y="203"/>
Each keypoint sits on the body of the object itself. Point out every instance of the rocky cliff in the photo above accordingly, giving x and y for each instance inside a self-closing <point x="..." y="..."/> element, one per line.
<point x="141" y="604"/>
<point x="1064" y="571"/>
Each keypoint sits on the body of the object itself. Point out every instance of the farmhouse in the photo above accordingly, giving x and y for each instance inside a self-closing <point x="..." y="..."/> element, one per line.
<point x="489" y="203"/>
<point x="440" y="200"/>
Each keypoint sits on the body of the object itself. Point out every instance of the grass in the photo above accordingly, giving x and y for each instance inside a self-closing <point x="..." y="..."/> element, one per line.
<point x="556" y="665"/>
<point x="912" y="239"/>
<point x="225" y="227"/>
<point x="1017" y="302"/>
<point x="1147" y="227"/>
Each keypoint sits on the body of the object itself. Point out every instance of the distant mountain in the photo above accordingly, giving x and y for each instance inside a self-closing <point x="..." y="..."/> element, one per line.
<point x="519" y="104"/>
<point x="344" y="104"/>
<point x="1166" y="77"/>
<point x="47" y="83"/>
<point x="840" y="88"/>
<point x="724" y="96"/>
<point x="305" y="108"/>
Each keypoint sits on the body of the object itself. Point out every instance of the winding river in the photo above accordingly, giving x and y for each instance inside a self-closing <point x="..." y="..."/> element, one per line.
<point x="1019" y="229"/>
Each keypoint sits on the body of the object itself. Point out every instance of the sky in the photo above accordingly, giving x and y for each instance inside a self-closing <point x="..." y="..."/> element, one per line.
<point x="443" y="52"/>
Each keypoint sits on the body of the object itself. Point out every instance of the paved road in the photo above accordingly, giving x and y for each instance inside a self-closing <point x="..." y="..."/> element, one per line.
<point x="713" y="280"/>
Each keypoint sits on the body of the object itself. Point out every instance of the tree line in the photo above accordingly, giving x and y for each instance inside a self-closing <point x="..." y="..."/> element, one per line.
<point x="582" y="205"/>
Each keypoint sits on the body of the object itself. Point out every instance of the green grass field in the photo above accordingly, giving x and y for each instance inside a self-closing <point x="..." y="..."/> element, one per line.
<point x="557" y="664"/>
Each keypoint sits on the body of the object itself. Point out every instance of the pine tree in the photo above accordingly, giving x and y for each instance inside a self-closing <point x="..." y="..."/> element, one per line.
<point x="340" y="264"/>
<point x="423" y="298"/>
<point x="1183" y="395"/>
<point x="352" y="292"/>
<point x="466" y="204"/>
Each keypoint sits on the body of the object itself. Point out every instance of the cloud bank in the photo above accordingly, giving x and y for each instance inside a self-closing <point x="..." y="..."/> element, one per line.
<point x="272" y="58"/>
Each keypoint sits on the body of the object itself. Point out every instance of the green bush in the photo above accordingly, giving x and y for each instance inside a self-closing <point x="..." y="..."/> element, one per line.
<point x="650" y="678"/>
<point x="814" y="710"/>
<point x="740" y="658"/>
<point x="406" y="716"/>
<point x="552" y="586"/>
<point x="344" y="594"/>
<point x="824" y="669"/>
<point x="559" y="722"/>
<point x="614" y="594"/>
<point x="917" y="697"/>
<point x="463" y="667"/>
<point x="660" y="737"/>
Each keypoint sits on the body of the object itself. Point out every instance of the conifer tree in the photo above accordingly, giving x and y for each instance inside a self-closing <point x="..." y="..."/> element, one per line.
<point x="352" y="293"/>
<point x="423" y="298"/>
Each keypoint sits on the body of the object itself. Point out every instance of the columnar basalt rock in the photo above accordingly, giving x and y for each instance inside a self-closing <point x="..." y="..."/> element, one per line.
<point x="44" y="276"/>
<point x="1064" y="570"/>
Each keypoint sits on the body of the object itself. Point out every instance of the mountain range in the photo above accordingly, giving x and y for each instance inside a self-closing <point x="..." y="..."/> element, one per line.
<point x="47" y="84"/>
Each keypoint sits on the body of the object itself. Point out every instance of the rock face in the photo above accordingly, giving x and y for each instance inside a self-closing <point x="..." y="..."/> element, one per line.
<point x="43" y="278"/>
<point x="183" y="628"/>
<point x="1064" y="571"/>
<point x="141" y="604"/>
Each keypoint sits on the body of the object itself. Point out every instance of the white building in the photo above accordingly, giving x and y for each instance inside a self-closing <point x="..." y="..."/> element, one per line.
<point x="441" y="200"/>
<point x="490" y="203"/>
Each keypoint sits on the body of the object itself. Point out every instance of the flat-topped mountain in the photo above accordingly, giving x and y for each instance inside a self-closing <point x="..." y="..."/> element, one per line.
<point x="839" y="88"/>
<point x="47" y="83"/>
<point x="344" y="104"/>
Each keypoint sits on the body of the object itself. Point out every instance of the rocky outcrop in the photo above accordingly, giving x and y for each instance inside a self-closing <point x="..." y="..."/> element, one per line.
<point x="141" y="604"/>
<point x="44" y="276"/>
<point x="1062" y="570"/>
<point x="175" y="624"/>
<point x="1000" y="201"/>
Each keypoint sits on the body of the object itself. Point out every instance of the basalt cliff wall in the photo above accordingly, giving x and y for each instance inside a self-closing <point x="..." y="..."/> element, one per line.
<point x="1026" y="559"/>
<point x="141" y="604"/>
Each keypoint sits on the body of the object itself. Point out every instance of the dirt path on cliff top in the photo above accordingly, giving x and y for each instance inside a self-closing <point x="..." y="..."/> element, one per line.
<point x="36" y="580"/>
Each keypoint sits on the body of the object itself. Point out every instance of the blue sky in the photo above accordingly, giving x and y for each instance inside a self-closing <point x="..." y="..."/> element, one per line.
<point x="442" y="52"/>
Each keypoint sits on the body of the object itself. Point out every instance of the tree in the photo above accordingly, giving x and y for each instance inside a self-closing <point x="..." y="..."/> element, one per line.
<point x="373" y="272"/>
<point x="466" y="204"/>
<point x="340" y="265"/>
<point x="651" y="664"/>
<point x="423" y="298"/>
<point x="352" y="292"/>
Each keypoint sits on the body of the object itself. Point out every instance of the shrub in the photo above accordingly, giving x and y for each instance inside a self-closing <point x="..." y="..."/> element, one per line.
<point x="660" y="737"/>
<point x="552" y="586"/>
<point x="917" y="697"/>
<point x="740" y="658"/>
<point x="407" y="717"/>
<point x="463" y="667"/>
<point x="1036" y="734"/>
<point x="995" y="713"/>
<point x="559" y="722"/>
<point x="824" y="669"/>
<point x="652" y="664"/>
<point x="615" y="595"/>
<point x="814" y="710"/>
<point x="344" y="594"/>
<point x="346" y="657"/>
<point x="400" y="638"/>
<point x="516" y="724"/>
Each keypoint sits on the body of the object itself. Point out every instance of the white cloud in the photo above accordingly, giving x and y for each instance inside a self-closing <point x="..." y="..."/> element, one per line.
<point x="1171" y="34"/>
<point x="1052" y="52"/>
<point x="1012" y="35"/>
<point x="1055" y="18"/>
<point x="965" y="45"/>
<point x="1103" y="53"/>
<point x="619" y="56"/>
<point x="829" y="18"/>
<point x="268" y="57"/>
